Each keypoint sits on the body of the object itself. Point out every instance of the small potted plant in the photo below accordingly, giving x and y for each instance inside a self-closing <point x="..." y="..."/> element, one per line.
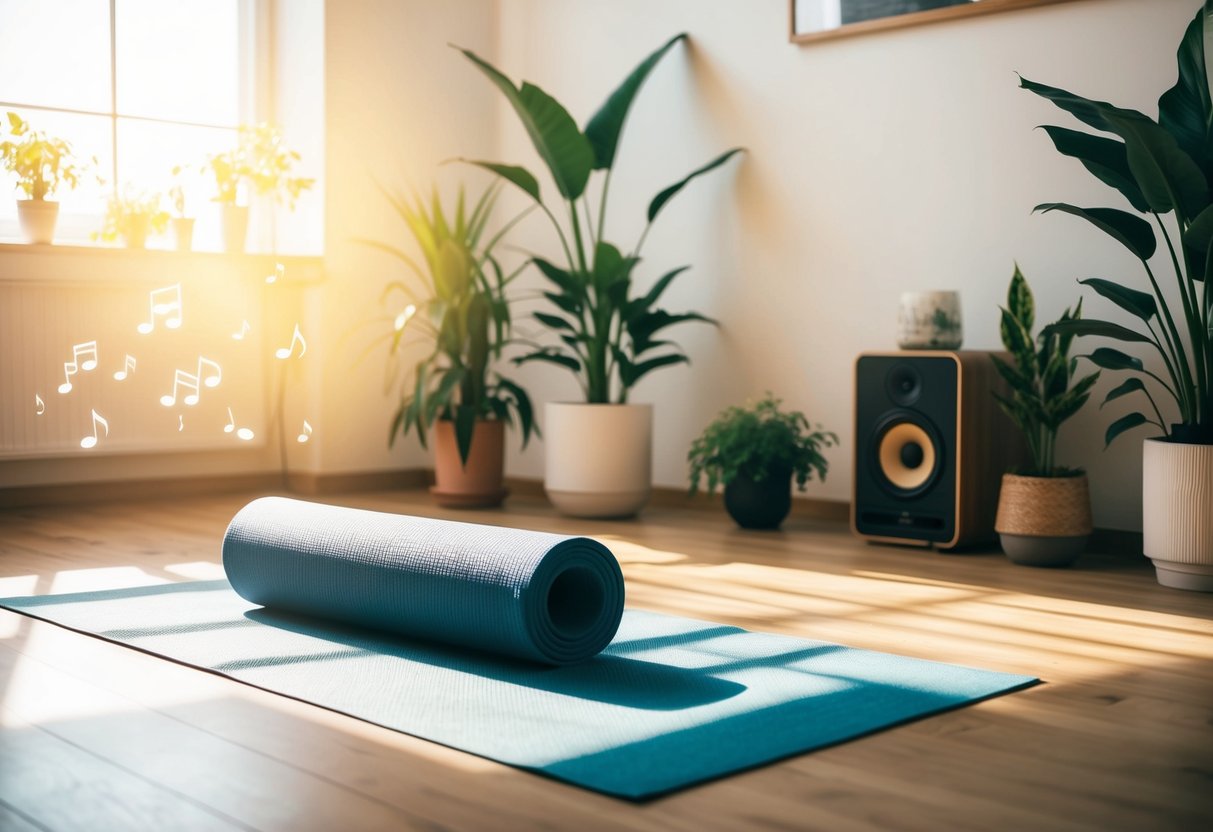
<point x="755" y="452"/>
<point x="458" y="314"/>
<point x="1044" y="512"/>
<point x="183" y="225"/>
<point x="133" y="215"/>
<point x="41" y="164"/>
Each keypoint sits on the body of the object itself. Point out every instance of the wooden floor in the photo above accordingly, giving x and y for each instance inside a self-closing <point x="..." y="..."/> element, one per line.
<point x="94" y="736"/>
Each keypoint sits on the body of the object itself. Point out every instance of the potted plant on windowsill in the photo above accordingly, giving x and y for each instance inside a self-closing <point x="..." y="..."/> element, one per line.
<point x="457" y="311"/>
<point x="183" y="225"/>
<point x="41" y="164"/>
<point x="133" y="216"/>
<point x="1044" y="512"/>
<point x="755" y="452"/>
<point x="1162" y="168"/>
<point x="598" y="454"/>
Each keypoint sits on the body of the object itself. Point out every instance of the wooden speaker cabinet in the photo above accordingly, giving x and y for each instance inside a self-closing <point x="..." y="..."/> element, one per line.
<point x="931" y="446"/>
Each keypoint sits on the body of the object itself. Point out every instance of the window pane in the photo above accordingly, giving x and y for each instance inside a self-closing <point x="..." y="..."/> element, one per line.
<point x="179" y="60"/>
<point x="55" y="53"/>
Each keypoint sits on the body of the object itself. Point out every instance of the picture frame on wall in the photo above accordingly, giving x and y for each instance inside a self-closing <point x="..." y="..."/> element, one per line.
<point x="810" y="21"/>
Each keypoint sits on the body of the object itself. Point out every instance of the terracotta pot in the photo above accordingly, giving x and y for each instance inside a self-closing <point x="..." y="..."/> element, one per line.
<point x="479" y="483"/>
<point x="38" y="218"/>
<point x="761" y="504"/>
<point x="1043" y="521"/>
<point x="183" y="232"/>
<point x="598" y="458"/>
<point x="234" y="226"/>
<point x="1177" y="512"/>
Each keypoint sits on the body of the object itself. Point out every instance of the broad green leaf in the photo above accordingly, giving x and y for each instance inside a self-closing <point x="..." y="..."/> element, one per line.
<point x="1123" y="424"/>
<point x="1184" y="110"/>
<point x="1018" y="342"/>
<point x="1017" y="381"/>
<point x="1111" y="359"/>
<point x="1169" y="178"/>
<point x="669" y="193"/>
<point x="565" y="303"/>
<point x="1089" y="112"/>
<point x="641" y="304"/>
<point x="1137" y="303"/>
<point x="465" y="427"/>
<point x="441" y="395"/>
<point x="554" y="321"/>
<point x="643" y="368"/>
<point x="551" y="357"/>
<point x="566" y="281"/>
<point x="610" y="266"/>
<point x="557" y="140"/>
<point x="513" y="174"/>
<point x="1104" y="329"/>
<point x="1199" y="240"/>
<point x="1071" y="401"/>
<point x="1106" y="159"/>
<point x="1019" y="300"/>
<point x="606" y="125"/>
<point x="1131" y="385"/>
<point x="522" y="402"/>
<point x="1132" y="232"/>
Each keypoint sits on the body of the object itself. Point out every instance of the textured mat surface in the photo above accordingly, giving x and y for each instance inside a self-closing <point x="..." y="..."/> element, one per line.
<point x="671" y="702"/>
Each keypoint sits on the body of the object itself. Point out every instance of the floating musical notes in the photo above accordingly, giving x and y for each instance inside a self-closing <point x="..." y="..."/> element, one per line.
<point x="242" y="433"/>
<point x="279" y="270"/>
<point x="70" y="368"/>
<point x="403" y="318"/>
<point x="239" y="336"/>
<point x="306" y="435"/>
<point x="213" y="379"/>
<point x="164" y="303"/>
<point x="39" y="405"/>
<point x="127" y="368"/>
<point x="91" y="441"/>
<point x="180" y="423"/>
<point x="284" y="353"/>
<point x="182" y="379"/>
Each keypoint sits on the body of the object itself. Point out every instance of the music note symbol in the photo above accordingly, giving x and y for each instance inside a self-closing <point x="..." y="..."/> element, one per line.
<point x="70" y="368"/>
<point x="127" y="368"/>
<point x="239" y="336"/>
<point x="182" y="379"/>
<point x="279" y="270"/>
<point x="285" y="352"/>
<point x="163" y="302"/>
<point x="90" y="441"/>
<point x="39" y="405"/>
<point x="243" y="433"/>
<point x="213" y="379"/>
<point x="180" y="423"/>
<point x="307" y="433"/>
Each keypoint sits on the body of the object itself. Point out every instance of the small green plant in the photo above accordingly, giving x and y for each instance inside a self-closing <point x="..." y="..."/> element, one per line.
<point x="758" y="441"/>
<point x="132" y="215"/>
<point x="40" y="162"/>
<point x="260" y="160"/>
<point x="1042" y="397"/>
<point x="176" y="193"/>
<point x="459" y="311"/>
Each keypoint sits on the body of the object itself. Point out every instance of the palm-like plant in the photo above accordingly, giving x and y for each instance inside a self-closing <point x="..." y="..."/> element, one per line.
<point x="457" y="306"/>
<point x="608" y="334"/>
<point x="1161" y="167"/>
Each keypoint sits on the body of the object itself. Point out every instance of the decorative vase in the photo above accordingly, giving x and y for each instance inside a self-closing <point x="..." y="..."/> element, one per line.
<point x="136" y="231"/>
<point x="183" y="232"/>
<point x="929" y="321"/>
<point x="1177" y="512"/>
<point x="479" y="483"/>
<point x="1043" y="521"/>
<point x="234" y="220"/>
<point x="38" y="218"/>
<point x="759" y="504"/>
<point x="598" y="458"/>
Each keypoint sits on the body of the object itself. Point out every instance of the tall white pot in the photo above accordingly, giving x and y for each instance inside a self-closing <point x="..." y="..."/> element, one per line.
<point x="598" y="458"/>
<point x="37" y="218"/>
<point x="1177" y="513"/>
<point x="234" y="226"/>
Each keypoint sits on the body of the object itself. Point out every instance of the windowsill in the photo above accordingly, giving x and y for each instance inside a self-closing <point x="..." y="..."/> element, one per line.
<point x="26" y="263"/>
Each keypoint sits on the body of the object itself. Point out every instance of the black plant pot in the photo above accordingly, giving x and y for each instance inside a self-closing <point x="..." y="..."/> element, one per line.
<point x="759" y="505"/>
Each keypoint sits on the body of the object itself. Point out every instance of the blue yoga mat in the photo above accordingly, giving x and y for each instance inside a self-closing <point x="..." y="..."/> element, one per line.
<point x="669" y="703"/>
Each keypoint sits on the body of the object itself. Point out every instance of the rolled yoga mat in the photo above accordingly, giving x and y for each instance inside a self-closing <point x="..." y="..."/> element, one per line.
<point x="529" y="595"/>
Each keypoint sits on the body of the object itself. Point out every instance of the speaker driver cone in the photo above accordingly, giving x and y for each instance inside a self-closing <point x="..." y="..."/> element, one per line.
<point x="907" y="456"/>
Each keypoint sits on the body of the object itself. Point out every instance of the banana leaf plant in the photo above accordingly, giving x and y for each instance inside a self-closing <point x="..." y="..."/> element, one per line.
<point x="1164" y="169"/>
<point x="1042" y="397"/>
<point x="456" y="307"/>
<point x="608" y="332"/>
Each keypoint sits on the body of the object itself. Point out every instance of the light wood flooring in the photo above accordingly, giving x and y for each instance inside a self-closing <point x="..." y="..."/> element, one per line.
<point x="94" y="736"/>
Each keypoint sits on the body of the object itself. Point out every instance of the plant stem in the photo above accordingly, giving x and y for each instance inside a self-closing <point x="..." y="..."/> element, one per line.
<point x="1192" y="310"/>
<point x="1184" y="378"/>
<point x="606" y="186"/>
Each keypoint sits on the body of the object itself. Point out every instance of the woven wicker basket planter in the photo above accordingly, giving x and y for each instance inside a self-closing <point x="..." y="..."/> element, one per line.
<point x="1043" y="521"/>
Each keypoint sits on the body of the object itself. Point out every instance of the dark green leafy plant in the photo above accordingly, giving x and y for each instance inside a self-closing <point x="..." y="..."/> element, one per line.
<point x="1041" y="396"/>
<point x="758" y="441"/>
<point x="1161" y="167"/>
<point x="608" y="334"/>
<point x="457" y="308"/>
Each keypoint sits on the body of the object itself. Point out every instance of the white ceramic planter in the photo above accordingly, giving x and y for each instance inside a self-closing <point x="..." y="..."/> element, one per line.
<point x="1177" y="513"/>
<point x="234" y="226"/>
<point x="37" y="218"/>
<point x="929" y="321"/>
<point x="598" y="458"/>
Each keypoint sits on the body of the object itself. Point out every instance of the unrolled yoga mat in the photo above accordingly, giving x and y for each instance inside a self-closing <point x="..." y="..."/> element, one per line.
<point x="669" y="703"/>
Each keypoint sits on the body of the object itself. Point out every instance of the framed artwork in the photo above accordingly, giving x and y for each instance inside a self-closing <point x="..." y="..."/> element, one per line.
<point x="814" y="20"/>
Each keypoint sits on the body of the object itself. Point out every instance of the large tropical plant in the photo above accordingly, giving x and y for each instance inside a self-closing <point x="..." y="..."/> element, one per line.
<point x="1041" y="396"/>
<point x="1164" y="169"/>
<point x="456" y="308"/>
<point x="609" y="333"/>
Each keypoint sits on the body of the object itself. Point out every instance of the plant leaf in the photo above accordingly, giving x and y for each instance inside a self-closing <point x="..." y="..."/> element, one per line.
<point x="513" y="174"/>
<point x="1132" y="232"/>
<point x="1106" y="159"/>
<point x="1130" y="385"/>
<point x="669" y="193"/>
<point x="552" y="357"/>
<point x="606" y="125"/>
<point x="1199" y="239"/>
<point x="1168" y="177"/>
<point x="1089" y="112"/>
<point x="644" y="367"/>
<point x="1019" y="300"/>
<point x="465" y="427"/>
<point x="1111" y="359"/>
<point x="1137" y="303"/>
<point x="1124" y="423"/>
<point x="1183" y="110"/>
<point x="554" y="321"/>
<point x="1106" y="329"/>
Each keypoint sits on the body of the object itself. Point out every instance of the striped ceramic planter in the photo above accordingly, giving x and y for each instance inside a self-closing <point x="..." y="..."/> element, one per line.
<point x="1177" y="513"/>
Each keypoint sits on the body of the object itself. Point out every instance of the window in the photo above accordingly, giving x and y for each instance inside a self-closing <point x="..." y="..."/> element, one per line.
<point x="141" y="85"/>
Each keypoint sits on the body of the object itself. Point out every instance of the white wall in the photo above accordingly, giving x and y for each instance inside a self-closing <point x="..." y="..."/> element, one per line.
<point x="877" y="164"/>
